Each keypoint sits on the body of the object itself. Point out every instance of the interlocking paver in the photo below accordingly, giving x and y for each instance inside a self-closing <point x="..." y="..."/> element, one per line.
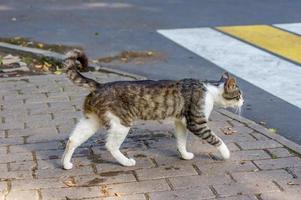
<point x="21" y="195"/>
<point x="165" y="172"/>
<point x="259" y="144"/>
<point x="198" y="181"/>
<point x="135" y="187"/>
<point x="191" y="194"/>
<point x="70" y="193"/>
<point x="279" y="163"/>
<point x="249" y="155"/>
<point x="286" y="195"/>
<point x="38" y="114"/>
<point x="249" y="188"/>
<point x="280" y="152"/>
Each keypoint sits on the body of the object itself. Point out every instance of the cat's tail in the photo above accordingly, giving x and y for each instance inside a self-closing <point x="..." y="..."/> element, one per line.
<point x="72" y="69"/>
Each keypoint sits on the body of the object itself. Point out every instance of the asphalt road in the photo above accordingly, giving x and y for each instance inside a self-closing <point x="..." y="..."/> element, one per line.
<point x="132" y="25"/>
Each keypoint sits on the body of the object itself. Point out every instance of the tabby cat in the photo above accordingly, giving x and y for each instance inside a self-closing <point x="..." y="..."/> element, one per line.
<point x="116" y="105"/>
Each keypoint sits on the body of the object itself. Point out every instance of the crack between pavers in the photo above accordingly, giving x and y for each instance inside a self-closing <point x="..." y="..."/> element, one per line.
<point x="169" y="184"/>
<point x="258" y="196"/>
<point x="288" y="170"/>
<point x="146" y="195"/>
<point x="39" y="194"/>
<point x="279" y="186"/>
<point x="197" y="169"/>
<point x="8" y="188"/>
<point x="34" y="169"/>
<point x="213" y="190"/>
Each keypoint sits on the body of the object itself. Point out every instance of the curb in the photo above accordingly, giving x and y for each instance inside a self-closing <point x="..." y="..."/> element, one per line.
<point x="261" y="129"/>
<point x="40" y="53"/>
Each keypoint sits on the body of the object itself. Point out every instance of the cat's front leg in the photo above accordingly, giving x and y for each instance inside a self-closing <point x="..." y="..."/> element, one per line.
<point x="181" y="136"/>
<point x="198" y="126"/>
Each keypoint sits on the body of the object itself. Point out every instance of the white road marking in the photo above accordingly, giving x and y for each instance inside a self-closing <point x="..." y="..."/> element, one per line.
<point x="293" y="27"/>
<point x="271" y="73"/>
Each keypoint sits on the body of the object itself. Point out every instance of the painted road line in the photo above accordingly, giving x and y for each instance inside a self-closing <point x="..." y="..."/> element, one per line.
<point x="293" y="27"/>
<point x="270" y="38"/>
<point x="271" y="73"/>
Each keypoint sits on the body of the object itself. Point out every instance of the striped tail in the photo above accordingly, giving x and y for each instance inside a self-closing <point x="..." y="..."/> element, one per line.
<point x="72" y="70"/>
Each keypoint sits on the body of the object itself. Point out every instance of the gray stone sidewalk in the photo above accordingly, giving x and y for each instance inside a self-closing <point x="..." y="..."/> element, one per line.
<point x="38" y="112"/>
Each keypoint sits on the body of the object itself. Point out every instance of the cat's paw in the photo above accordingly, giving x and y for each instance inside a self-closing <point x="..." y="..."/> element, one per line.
<point x="223" y="149"/>
<point x="129" y="162"/>
<point x="187" y="156"/>
<point x="67" y="165"/>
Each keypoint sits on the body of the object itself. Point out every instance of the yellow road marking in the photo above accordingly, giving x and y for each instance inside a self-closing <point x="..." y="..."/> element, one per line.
<point x="272" y="39"/>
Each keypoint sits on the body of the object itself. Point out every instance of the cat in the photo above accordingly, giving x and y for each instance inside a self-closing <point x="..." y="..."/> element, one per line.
<point x="116" y="105"/>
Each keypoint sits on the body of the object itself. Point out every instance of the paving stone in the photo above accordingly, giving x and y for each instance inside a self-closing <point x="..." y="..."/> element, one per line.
<point x="12" y="125"/>
<point x="280" y="152"/>
<point x="259" y="136"/>
<point x="114" y="166"/>
<point x="3" y="168"/>
<point x="5" y="158"/>
<point x="221" y="168"/>
<point x="37" y="184"/>
<point x="36" y="146"/>
<point x="21" y="195"/>
<point x="16" y="175"/>
<point x="128" y="197"/>
<point x="262" y="176"/>
<point x="278" y="163"/>
<point x="165" y="172"/>
<point x="238" y="188"/>
<point x="237" y="137"/>
<point x="198" y="181"/>
<point x="104" y="178"/>
<point x="259" y="144"/>
<point x="46" y="137"/>
<point x="240" y="197"/>
<point x="286" y="195"/>
<point x="70" y="193"/>
<point x="191" y="194"/>
<point x="61" y="173"/>
<point x="249" y="155"/>
<point x="22" y="166"/>
<point x="11" y="141"/>
<point x="135" y="188"/>
<point x="31" y="131"/>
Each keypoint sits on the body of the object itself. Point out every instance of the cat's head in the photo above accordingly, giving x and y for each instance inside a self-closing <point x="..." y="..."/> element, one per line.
<point x="229" y="94"/>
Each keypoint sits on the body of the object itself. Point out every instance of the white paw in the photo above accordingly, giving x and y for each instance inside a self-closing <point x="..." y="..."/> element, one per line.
<point x="223" y="149"/>
<point x="129" y="162"/>
<point x="187" y="156"/>
<point x="67" y="165"/>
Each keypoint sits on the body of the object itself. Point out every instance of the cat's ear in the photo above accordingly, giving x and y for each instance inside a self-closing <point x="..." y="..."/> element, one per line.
<point x="230" y="84"/>
<point x="224" y="77"/>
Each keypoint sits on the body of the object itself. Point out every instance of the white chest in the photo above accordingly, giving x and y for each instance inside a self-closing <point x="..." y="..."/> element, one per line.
<point x="209" y="102"/>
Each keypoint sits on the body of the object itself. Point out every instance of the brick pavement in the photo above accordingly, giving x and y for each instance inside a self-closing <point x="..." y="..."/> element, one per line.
<point x="38" y="112"/>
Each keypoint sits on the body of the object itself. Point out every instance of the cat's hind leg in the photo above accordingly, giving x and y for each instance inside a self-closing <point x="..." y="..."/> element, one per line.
<point x="84" y="129"/>
<point x="181" y="136"/>
<point x="116" y="135"/>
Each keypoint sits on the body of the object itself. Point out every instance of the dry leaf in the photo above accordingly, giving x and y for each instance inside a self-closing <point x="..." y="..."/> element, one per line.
<point x="40" y="45"/>
<point x="292" y="183"/>
<point x="228" y="130"/>
<point x="117" y="194"/>
<point x="70" y="182"/>
<point x="58" y="72"/>
<point x="39" y="66"/>
<point x="273" y="130"/>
